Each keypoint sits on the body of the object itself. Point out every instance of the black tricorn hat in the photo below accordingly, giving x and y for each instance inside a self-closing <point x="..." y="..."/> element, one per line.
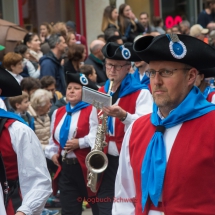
<point x="116" y="51"/>
<point x="8" y="84"/>
<point x="176" y="47"/>
<point x="80" y="79"/>
<point x="208" y="73"/>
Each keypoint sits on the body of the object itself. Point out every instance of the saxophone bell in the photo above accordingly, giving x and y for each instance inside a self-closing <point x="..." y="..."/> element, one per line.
<point x="96" y="160"/>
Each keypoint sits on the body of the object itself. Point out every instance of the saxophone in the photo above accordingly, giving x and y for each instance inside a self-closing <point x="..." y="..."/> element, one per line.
<point x="96" y="160"/>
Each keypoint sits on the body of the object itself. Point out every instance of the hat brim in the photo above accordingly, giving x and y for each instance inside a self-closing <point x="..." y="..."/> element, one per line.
<point x="75" y="77"/>
<point x="113" y="51"/>
<point x="199" y="54"/>
<point x="205" y="31"/>
<point x="208" y="73"/>
<point x="8" y="84"/>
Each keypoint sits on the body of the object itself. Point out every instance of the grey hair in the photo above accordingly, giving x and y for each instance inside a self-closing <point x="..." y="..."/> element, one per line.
<point x="95" y="48"/>
<point x="186" y="23"/>
<point x="39" y="98"/>
<point x="54" y="39"/>
<point x="211" y="37"/>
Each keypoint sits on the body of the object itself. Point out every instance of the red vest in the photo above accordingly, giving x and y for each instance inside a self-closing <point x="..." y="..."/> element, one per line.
<point x="190" y="174"/>
<point x="83" y="130"/>
<point x="210" y="95"/>
<point x="10" y="159"/>
<point x="128" y="103"/>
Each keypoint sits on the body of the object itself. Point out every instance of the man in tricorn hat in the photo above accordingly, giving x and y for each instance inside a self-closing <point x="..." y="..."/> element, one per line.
<point x="22" y="162"/>
<point x="166" y="164"/>
<point x="130" y="100"/>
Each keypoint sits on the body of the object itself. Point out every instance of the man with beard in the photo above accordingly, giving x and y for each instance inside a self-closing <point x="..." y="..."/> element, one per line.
<point x="50" y="64"/>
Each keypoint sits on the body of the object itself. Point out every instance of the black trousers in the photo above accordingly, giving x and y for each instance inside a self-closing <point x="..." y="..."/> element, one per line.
<point x="73" y="190"/>
<point x="106" y="190"/>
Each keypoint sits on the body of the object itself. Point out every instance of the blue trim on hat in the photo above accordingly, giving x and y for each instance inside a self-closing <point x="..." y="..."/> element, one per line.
<point x="125" y="52"/>
<point x="83" y="79"/>
<point x="177" y="49"/>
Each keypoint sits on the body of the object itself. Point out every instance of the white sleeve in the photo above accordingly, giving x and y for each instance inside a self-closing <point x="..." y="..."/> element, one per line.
<point x="2" y="208"/>
<point x="124" y="185"/>
<point x="2" y="104"/>
<point x="32" y="71"/>
<point x="51" y="148"/>
<point x="143" y="106"/>
<point x="34" y="177"/>
<point x="213" y="99"/>
<point x="89" y="140"/>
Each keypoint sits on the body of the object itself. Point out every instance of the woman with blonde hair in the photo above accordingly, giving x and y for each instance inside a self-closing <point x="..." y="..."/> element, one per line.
<point x="109" y="19"/>
<point x="129" y="25"/>
<point x="45" y="31"/>
<point x="70" y="39"/>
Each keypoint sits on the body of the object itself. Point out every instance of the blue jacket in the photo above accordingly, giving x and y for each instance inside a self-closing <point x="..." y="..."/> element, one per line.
<point x="50" y="65"/>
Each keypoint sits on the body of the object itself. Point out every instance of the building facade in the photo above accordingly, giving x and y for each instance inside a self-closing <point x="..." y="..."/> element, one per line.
<point x="88" y="13"/>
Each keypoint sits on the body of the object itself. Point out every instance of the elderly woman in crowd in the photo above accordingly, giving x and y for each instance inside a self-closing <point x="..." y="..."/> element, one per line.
<point x="40" y="102"/>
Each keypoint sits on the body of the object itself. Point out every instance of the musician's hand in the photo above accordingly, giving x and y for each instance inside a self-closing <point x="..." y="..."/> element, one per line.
<point x="71" y="145"/>
<point x="115" y="111"/>
<point x="19" y="213"/>
<point x="55" y="158"/>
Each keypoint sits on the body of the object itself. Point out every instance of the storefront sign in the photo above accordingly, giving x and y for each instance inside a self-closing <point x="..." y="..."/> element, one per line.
<point x="170" y="21"/>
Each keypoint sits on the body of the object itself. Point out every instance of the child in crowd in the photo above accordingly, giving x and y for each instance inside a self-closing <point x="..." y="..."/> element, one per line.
<point x="20" y="106"/>
<point x="48" y="83"/>
<point x="89" y="72"/>
<point x="28" y="67"/>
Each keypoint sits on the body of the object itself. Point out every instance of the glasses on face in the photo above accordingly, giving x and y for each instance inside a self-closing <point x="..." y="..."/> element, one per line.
<point x="151" y="73"/>
<point x="116" y="67"/>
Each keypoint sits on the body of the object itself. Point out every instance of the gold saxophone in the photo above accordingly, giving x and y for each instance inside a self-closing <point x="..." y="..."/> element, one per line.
<point x="96" y="160"/>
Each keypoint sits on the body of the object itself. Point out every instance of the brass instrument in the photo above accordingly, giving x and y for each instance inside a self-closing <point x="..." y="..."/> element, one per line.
<point x="96" y="160"/>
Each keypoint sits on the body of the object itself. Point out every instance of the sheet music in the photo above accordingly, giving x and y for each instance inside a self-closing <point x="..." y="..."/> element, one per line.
<point x="97" y="99"/>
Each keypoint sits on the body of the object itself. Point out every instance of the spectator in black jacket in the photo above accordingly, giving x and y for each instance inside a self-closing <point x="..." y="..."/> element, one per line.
<point x="208" y="14"/>
<point x="96" y="59"/>
<point x="51" y="62"/>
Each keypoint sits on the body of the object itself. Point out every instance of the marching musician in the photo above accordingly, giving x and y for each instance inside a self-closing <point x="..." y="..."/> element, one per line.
<point x="24" y="175"/>
<point x="207" y="91"/>
<point x="2" y="208"/>
<point x="167" y="163"/>
<point x="73" y="129"/>
<point x="130" y="100"/>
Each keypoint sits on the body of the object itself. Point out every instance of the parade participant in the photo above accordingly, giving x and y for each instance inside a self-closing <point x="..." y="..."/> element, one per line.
<point x="130" y="100"/>
<point x="201" y="83"/>
<point x="2" y="209"/>
<point x="139" y="73"/>
<point x="163" y="168"/>
<point x="21" y="152"/>
<point x="73" y="130"/>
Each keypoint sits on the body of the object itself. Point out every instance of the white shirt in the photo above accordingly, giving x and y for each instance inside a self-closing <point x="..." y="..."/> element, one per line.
<point x="125" y="185"/>
<point x="16" y="76"/>
<point x="34" y="178"/>
<point x="2" y="105"/>
<point x="87" y="141"/>
<point x="31" y="69"/>
<point x="2" y="208"/>
<point x="143" y="105"/>
<point x="213" y="99"/>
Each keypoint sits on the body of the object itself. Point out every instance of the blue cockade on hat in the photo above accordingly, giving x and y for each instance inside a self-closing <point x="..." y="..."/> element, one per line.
<point x="125" y="52"/>
<point x="83" y="79"/>
<point x="177" y="47"/>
